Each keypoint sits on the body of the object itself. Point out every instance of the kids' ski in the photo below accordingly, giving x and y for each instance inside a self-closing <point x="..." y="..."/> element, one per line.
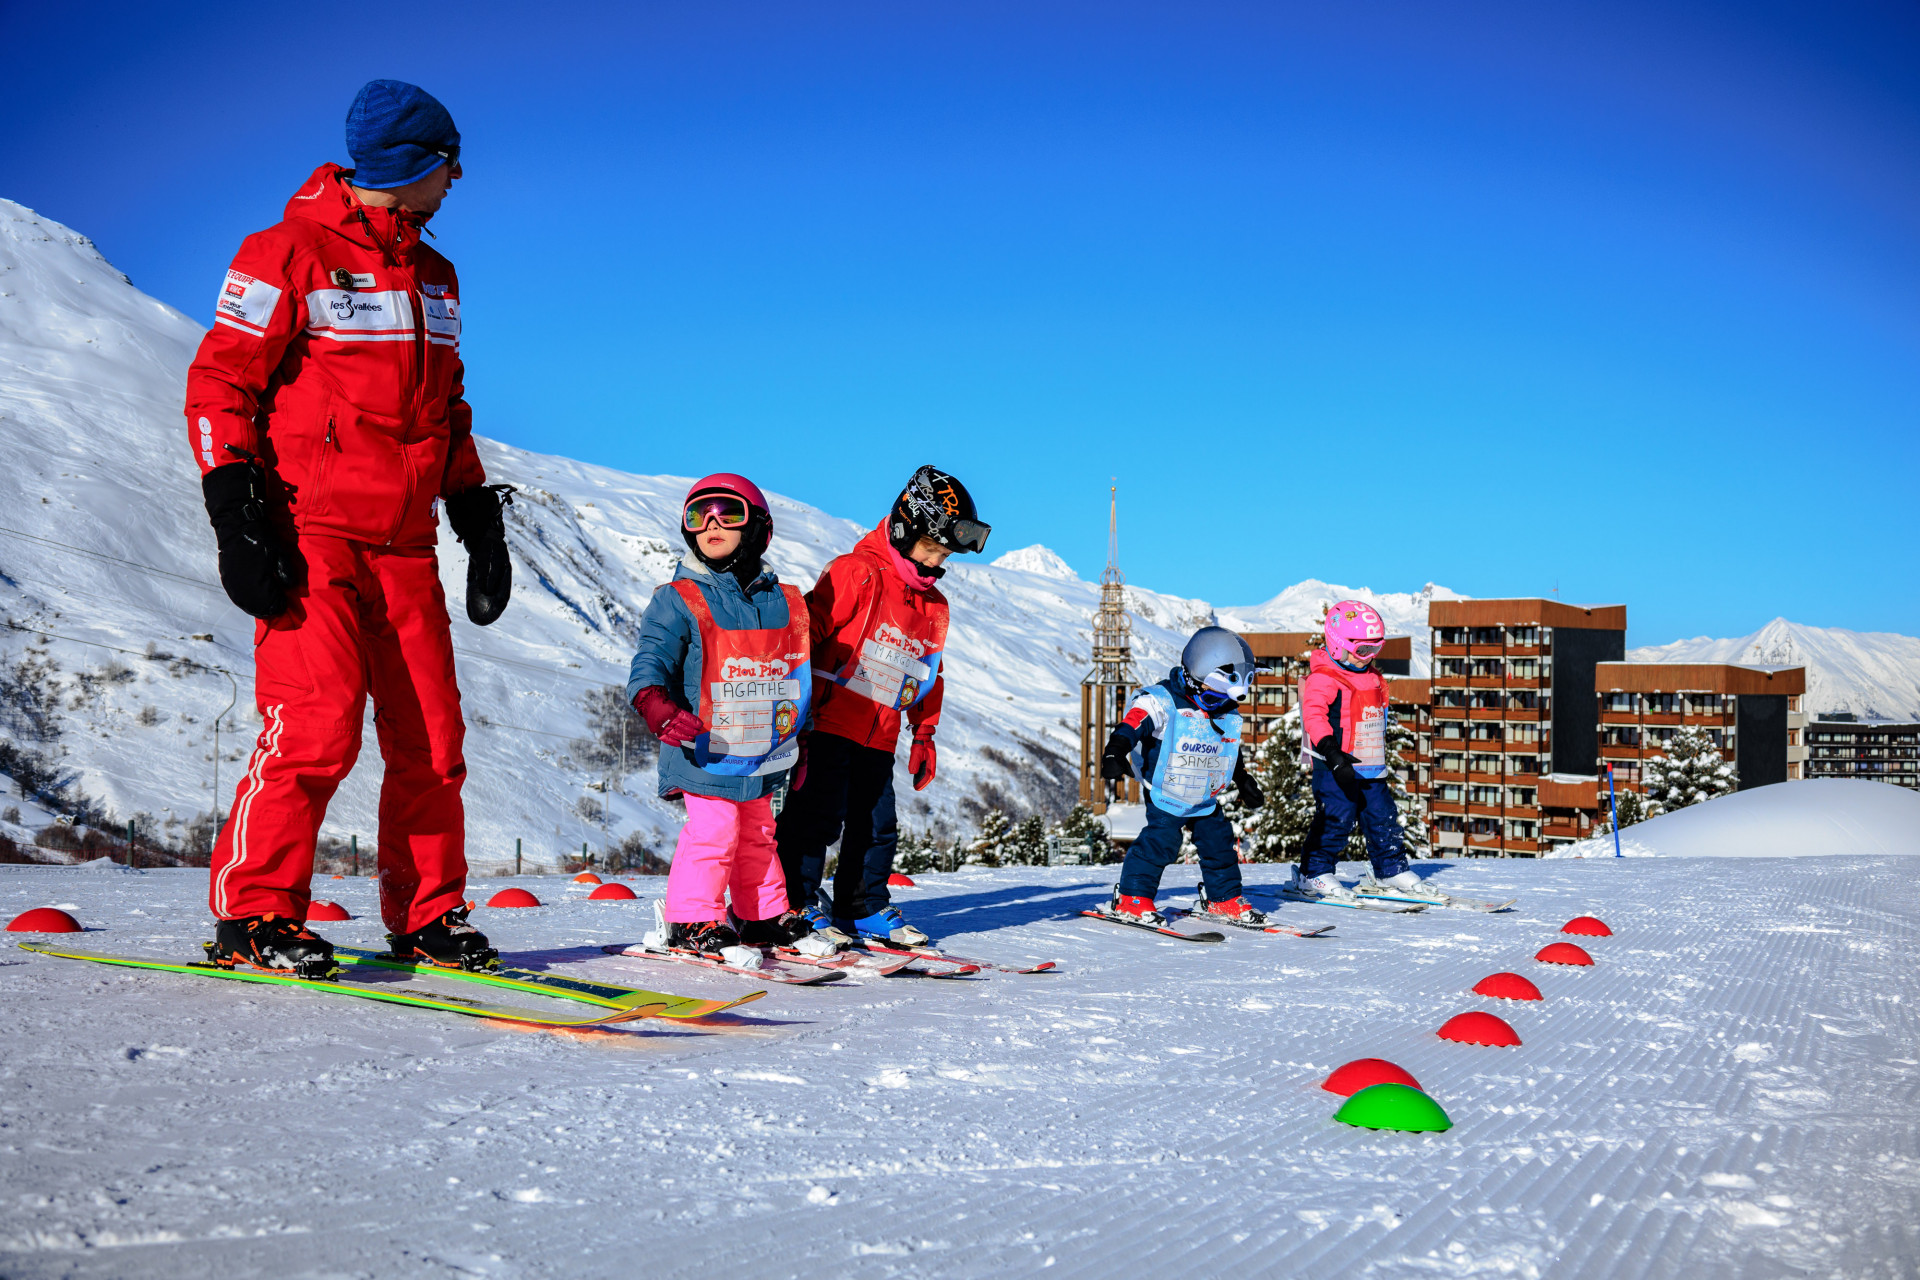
<point x="1404" y="908"/>
<point x="1269" y="927"/>
<point x="417" y="997"/>
<point x="934" y="953"/>
<point x="606" y="994"/>
<point x="1154" y="928"/>
<point x="773" y="970"/>
<point x="856" y="962"/>
<point x="1445" y="900"/>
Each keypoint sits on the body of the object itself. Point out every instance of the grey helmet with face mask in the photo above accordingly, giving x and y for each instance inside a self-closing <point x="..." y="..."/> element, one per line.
<point x="1219" y="667"/>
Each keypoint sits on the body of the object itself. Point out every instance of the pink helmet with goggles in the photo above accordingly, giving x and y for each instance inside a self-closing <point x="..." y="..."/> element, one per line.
<point x="737" y="503"/>
<point x="1355" y="632"/>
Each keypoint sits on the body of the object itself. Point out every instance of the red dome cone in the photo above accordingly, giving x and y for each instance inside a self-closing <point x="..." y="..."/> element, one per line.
<point x="608" y="892"/>
<point x="898" y="881"/>
<point x="321" y="909"/>
<point x="1364" y="1073"/>
<point x="1506" y="986"/>
<point x="586" y="877"/>
<point x="43" y="920"/>
<point x="1587" y="926"/>
<point x="513" y="898"/>
<point x="1563" y="953"/>
<point x="1479" y="1028"/>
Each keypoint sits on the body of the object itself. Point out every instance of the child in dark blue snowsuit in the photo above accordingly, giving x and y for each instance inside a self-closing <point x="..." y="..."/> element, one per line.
<point x="1181" y="738"/>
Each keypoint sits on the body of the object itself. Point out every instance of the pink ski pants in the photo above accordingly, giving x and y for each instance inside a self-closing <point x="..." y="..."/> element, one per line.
<point x="726" y="844"/>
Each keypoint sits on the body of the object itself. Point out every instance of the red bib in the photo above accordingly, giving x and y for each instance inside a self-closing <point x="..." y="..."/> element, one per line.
<point x="755" y="686"/>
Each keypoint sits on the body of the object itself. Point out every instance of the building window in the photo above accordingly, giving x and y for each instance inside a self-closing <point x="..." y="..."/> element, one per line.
<point x="1522" y="797"/>
<point x="1485" y="635"/>
<point x="1450" y="762"/>
<point x="1489" y="796"/>
<point x="1523" y="764"/>
<point x="1484" y="764"/>
<point x="1523" y="732"/>
<point x="1523" y="635"/>
<point x="1487" y="732"/>
<point x="1663" y="704"/>
<point x="1449" y="793"/>
<point x="1622" y="703"/>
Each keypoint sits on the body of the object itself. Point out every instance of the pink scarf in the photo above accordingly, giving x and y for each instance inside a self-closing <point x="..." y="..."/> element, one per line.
<point x="910" y="573"/>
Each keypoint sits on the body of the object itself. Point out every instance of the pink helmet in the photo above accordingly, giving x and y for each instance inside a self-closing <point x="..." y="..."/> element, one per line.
<point x="1355" y="632"/>
<point x="757" y="530"/>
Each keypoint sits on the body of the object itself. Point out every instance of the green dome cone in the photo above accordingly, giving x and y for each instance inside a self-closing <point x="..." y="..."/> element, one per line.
<point x="1393" y="1106"/>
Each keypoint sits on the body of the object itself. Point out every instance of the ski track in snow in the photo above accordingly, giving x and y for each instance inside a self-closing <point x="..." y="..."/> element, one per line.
<point x="1732" y="1091"/>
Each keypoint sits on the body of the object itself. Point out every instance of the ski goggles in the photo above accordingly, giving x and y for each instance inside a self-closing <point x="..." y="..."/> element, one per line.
<point x="968" y="535"/>
<point x="1231" y="682"/>
<point x="1365" y="650"/>
<point x="729" y="509"/>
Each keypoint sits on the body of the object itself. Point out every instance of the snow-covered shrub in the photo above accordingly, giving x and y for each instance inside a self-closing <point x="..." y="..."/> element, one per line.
<point x="917" y="854"/>
<point x="1692" y="770"/>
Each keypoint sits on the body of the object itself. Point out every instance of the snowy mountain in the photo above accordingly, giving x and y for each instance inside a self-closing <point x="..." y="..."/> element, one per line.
<point x="117" y="664"/>
<point x="1870" y="673"/>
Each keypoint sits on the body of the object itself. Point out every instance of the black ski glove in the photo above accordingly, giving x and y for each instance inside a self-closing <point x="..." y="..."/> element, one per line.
<point x="1115" y="759"/>
<point x="1251" y="797"/>
<point x="475" y="518"/>
<point x="256" y="567"/>
<point x="1342" y="765"/>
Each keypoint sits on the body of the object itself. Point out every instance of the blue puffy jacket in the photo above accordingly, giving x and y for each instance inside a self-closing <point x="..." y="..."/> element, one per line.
<point x="669" y="656"/>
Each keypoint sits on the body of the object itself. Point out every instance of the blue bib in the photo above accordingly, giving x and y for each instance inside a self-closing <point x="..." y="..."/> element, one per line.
<point x="1196" y="758"/>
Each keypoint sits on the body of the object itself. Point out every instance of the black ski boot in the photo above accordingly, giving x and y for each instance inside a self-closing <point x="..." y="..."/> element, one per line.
<point x="273" y="944"/>
<point x="709" y="938"/>
<point x="783" y="930"/>
<point x="449" y="942"/>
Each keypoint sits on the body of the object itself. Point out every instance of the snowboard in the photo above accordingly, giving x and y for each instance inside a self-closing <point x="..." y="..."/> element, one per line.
<point x="607" y="994"/>
<point x="416" y="997"/>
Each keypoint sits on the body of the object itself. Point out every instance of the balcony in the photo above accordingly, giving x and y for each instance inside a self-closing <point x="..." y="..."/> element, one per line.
<point x="1619" y="717"/>
<point x="1523" y="780"/>
<point x="1486" y="682"/>
<point x="1717" y="720"/>
<point x="1487" y="650"/>
<point x="1449" y="713"/>
<point x="1484" y="811"/>
<point x="1661" y="717"/>
<point x="1523" y="682"/>
<point x="1448" y="776"/>
<point x="1523" y="650"/>
<point x="1486" y="713"/>
<point x="1447" y="806"/>
<point x="1449" y="651"/>
<point x="1561" y="830"/>
<point x="1516" y="845"/>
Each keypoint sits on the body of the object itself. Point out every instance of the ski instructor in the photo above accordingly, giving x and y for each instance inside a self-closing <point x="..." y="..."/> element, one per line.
<point x="326" y="410"/>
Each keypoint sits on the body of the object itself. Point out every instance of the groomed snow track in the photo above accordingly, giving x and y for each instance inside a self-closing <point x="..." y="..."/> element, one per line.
<point x="1731" y="1091"/>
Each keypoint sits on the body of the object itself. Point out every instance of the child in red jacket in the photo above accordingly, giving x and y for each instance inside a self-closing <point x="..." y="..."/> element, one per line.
<point x="1344" y="717"/>
<point x="879" y="629"/>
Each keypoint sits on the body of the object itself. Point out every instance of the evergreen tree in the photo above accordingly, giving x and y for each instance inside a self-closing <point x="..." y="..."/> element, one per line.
<point x="1026" y="844"/>
<point x="1276" y="832"/>
<point x="987" y="849"/>
<point x="1690" y="771"/>
<point x="1632" y="806"/>
<point x="917" y="854"/>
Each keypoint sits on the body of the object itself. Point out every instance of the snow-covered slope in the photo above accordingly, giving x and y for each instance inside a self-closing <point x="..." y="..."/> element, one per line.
<point x="1821" y="817"/>
<point x="1729" y="1092"/>
<point x="104" y="544"/>
<point x="1873" y="673"/>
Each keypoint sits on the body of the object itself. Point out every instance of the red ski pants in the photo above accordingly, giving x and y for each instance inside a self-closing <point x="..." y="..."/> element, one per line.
<point x="370" y="619"/>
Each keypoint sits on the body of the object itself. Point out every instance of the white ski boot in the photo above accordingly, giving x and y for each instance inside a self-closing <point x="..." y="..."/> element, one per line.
<point x="1405" y="886"/>
<point x="1326" y="888"/>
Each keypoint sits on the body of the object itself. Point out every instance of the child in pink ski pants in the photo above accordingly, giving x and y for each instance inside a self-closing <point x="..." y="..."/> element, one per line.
<point x="726" y="844"/>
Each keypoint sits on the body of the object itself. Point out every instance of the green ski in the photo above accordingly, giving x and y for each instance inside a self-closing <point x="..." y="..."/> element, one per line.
<point x="607" y="994"/>
<point x="418" y="998"/>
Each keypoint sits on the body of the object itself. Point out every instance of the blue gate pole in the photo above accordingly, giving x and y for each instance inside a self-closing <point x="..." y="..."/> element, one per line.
<point x="1614" y="805"/>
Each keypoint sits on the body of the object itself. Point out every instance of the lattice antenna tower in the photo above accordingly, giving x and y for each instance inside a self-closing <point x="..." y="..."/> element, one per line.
<point x="1112" y="629"/>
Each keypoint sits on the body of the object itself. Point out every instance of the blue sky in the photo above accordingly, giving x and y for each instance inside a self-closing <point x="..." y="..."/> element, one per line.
<point x="1618" y="299"/>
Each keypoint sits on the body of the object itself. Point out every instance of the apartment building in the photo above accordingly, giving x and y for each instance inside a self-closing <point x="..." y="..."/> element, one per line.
<point x="1513" y="720"/>
<point x="1752" y="713"/>
<point x="1842" y="745"/>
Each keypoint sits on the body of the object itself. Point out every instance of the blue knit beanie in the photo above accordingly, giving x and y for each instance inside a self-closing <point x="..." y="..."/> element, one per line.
<point x="396" y="133"/>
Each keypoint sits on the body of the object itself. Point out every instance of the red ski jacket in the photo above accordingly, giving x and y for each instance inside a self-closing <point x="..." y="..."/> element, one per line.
<point x="335" y="358"/>
<point x="877" y="646"/>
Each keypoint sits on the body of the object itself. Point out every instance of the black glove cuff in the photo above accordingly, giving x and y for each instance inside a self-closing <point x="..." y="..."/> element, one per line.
<point x="474" y="514"/>
<point x="235" y="494"/>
